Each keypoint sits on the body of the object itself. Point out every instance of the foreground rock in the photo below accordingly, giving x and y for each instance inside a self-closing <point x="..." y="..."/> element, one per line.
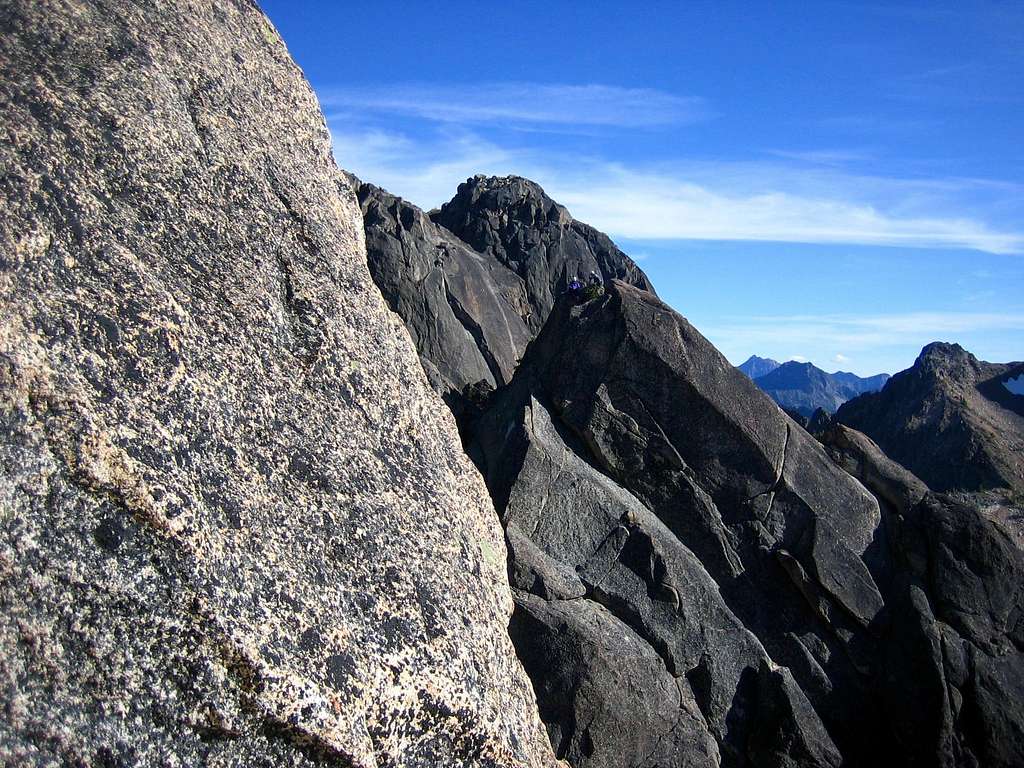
<point x="950" y="419"/>
<point x="236" y="526"/>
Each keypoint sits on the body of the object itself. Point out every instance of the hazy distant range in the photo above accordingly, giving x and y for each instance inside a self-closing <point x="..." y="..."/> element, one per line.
<point x="804" y="387"/>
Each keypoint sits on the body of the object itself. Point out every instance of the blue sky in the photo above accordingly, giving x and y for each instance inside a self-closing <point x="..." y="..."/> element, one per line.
<point x="837" y="182"/>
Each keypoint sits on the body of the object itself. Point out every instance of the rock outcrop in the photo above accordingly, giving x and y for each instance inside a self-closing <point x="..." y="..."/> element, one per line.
<point x="697" y="581"/>
<point x="952" y="675"/>
<point x="236" y="526"/>
<point x="950" y="420"/>
<point x="466" y="312"/>
<point x="637" y="471"/>
<point x="472" y="306"/>
<point x="652" y="495"/>
<point x="512" y="220"/>
<point x="805" y="388"/>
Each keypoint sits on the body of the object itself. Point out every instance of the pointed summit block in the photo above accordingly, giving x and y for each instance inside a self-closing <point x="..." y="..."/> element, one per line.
<point x="511" y="219"/>
<point x="950" y="419"/>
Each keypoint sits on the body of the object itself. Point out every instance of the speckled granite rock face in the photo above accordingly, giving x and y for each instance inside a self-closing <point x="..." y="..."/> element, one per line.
<point x="236" y="526"/>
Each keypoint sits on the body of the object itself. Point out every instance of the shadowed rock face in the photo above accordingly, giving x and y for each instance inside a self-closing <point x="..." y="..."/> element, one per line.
<point x="653" y="496"/>
<point x="954" y="638"/>
<point x="511" y="220"/>
<point x="466" y="312"/>
<point x="950" y="420"/>
<point x="657" y="481"/>
<point x="698" y="582"/>
<point x="236" y="526"/>
<point x="471" y="313"/>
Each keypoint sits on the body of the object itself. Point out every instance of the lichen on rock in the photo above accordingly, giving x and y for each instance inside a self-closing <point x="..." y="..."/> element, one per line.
<point x="236" y="525"/>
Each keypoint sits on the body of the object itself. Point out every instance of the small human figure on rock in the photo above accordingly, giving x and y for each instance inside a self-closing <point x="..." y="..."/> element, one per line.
<point x="595" y="286"/>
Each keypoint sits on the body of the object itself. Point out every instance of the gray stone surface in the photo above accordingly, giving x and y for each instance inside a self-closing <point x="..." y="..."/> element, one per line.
<point x="950" y="420"/>
<point x="464" y="311"/>
<point x="471" y="311"/>
<point x="952" y="634"/>
<point x="603" y="580"/>
<point x="513" y="221"/>
<point x="629" y="449"/>
<point x="667" y="522"/>
<point x="236" y="526"/>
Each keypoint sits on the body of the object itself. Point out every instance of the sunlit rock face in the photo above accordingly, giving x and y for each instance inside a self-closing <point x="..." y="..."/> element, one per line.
<point x="236" y="525"/>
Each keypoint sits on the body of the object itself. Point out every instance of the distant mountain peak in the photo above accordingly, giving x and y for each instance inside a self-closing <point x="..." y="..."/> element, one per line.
<point x="804" y="388"/>
<point x="949" y="419"/>
<point x="758" y="366"/>
<point x="945" y="359"/>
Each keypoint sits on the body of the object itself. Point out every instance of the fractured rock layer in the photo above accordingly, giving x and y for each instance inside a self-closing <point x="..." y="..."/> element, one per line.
<point x="697" y="580"/>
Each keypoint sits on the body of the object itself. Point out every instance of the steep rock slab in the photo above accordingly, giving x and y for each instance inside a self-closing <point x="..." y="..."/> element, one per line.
<point x="236" y="527"/>
<point x="512" y="220"/>
<point x="636" y="659"/>
<point x="785" y="536"/>
<point x="950" y="420"/>
<point x="464" y="311"/>
<point x="954" y="604"/>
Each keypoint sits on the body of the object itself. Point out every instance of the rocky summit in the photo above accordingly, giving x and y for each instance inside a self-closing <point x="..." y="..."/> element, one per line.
<point x="697" y="580"/>
<point x="475" y="281"/>
<point x="236" y="525"/>
<point x="512" y="220"/>
<point x="950" y="419"/>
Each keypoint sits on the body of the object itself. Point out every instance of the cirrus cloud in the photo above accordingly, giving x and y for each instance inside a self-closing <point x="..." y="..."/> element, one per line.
<point x="700" y="201"/>
<point x="529" y="103"/>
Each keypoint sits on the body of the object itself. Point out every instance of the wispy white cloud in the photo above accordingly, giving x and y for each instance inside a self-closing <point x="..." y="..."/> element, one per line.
<point x="650" y="206"/>
<point x="423" y="172"/>
<point x="702" y="201"/>
<point x="830" y="157"/>
<point x="858" y="332"/>
<point x="525" y="103"/>
<point x="876" y="342"/>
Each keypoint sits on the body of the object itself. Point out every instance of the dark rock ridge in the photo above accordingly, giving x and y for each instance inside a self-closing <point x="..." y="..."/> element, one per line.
<point x="511" y="220"/>
<point x="758" y="366"/>
<point x="950" y="420"/>
<point x="472" y="307"/>
<point x="467" y="313"/>
<point x="236" y="525"/>
<point x="638" y="472"/>
<point x="698" y="582"/>
<point x="952" y="676"/>
<point x="651" y="494"/>
<point x="805" y="388"/>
